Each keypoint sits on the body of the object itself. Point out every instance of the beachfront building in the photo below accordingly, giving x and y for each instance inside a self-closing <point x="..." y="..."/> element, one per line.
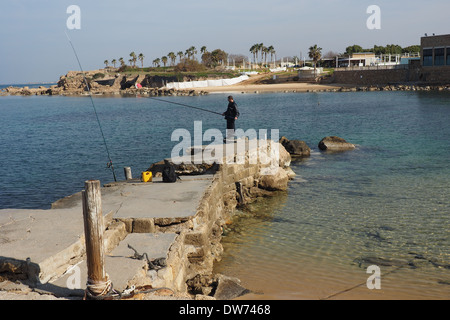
<point x="369" y="59"/>
<point x="360" y="59"/>
<point x="435" y="51"/>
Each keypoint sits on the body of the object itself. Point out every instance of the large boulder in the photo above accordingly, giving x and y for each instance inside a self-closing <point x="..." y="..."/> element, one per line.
<point x="333" y="143"/>
<point x="296" y="148"/>
<point x="229" y="288"/>
<point x="277" y="180"/>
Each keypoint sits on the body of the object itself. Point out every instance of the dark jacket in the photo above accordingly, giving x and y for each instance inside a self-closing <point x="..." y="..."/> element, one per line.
<point x="232" y="111"/>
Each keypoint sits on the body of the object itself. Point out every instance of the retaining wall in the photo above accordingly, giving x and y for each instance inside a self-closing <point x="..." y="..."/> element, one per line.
<point x="427" y="75"/>
<point x="199" y="245"/>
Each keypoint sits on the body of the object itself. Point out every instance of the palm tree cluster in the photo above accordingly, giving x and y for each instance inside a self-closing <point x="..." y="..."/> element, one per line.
<point x="171" y="58"/>
<point x="133" y="59"/>
<point x="260" y="48"/>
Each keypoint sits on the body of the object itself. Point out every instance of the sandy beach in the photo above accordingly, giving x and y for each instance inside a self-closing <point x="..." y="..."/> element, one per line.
<point x="254" y="85"/>
<point x="259" y="88"/>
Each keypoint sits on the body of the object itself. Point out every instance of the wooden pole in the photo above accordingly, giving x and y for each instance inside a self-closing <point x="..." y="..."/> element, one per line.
<point x="128" y="175"/>
<point x="97" y="283"/>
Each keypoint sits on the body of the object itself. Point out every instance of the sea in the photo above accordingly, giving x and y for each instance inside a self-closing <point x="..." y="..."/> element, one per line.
<point x="371" y="223"/>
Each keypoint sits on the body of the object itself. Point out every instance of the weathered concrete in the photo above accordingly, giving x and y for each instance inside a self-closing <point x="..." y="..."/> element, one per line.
<point x="180" y="222"/>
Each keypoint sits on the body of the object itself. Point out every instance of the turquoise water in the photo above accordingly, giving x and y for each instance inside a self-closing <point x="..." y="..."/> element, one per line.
<point x="387" y="200"/>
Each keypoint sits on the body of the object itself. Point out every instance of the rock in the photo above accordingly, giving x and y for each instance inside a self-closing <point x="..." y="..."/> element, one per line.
<point x="285" y="157"/>
<point x="229" y="288"/>
<point x="333" y="143"/>
<point x="276" y="181"/>
<point x="291" y="174"/>
<point x="296" y="147"/>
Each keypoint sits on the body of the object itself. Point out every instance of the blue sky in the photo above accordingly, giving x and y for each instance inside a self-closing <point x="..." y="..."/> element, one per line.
<point x="34" y="48"/>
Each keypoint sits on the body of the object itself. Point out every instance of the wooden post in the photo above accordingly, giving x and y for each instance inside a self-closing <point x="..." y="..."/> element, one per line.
<point x="127" y="172"/>
<point x="97" y="283"/>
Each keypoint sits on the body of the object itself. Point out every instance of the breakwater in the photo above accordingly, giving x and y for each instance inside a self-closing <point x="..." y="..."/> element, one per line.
<point x="183" y="219"/>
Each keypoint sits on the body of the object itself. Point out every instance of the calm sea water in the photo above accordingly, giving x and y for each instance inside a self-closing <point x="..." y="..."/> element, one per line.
<point x="385" y="203"/>
<point x="29" y="85"/>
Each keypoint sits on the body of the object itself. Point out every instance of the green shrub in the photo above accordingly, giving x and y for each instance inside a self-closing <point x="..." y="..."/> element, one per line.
<point x="98" y="75"/>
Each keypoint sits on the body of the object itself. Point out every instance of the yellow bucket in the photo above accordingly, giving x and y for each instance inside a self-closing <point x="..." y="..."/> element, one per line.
<point x="147" y="176"/>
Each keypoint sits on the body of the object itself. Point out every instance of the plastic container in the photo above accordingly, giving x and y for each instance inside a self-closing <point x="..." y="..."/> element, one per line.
<point x="146" y="176"/>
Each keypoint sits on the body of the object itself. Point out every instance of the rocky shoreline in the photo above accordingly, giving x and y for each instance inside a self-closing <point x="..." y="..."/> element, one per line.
<point x="155" y="92"/>
<point x="55" y="90"/>
<point x="103" y="82"/>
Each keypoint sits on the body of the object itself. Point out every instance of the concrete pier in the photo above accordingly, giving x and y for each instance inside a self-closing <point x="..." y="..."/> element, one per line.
<point x="42" y="252"/>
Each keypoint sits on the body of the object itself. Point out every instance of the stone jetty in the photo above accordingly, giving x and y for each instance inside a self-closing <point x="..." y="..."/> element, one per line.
<point x="176" y="226"/>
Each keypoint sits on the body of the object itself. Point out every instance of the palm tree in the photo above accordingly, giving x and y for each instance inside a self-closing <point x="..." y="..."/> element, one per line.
<point x="157" y="62"/>
<point x="315" y="53"/>
<point x="272" y="51"/>
<point x="260" y="49"/>
<point x="141" y="59"/>
<point x="253" y="50"/>
<point x="122" y="62"/>
<point x="114" y="62"/>
<point x="265" y="51"/>
<point x="203" y="50"/>
<point x="133" y="58"/>
<point x="164" y="60"/>
<point x="172" y="58"/>
<point x="180" y="54"/>
<point x="106" y="62"/>
<point x="193" y="50"/>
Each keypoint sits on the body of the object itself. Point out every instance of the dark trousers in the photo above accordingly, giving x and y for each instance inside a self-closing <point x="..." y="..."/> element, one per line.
<point x="230" y="128"/>
<point x="230" y="124"/>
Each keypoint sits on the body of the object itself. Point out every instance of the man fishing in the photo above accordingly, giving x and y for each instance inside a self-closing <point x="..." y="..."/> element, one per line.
<point x="231" y="116"/>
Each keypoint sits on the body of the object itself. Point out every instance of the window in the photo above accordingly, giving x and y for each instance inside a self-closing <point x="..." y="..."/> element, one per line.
<point x="439" y="56"/>
<point x="448" y="56"/>
<point x="427" y="57"/>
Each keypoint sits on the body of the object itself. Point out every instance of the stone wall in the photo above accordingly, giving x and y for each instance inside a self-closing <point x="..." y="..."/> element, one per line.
<point x="435" y="75"/>
<point x="427" y="75"/>
<point x="199" y="246"/>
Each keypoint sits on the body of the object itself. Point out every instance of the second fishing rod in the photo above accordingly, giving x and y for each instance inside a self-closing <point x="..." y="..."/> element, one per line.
<point x="186" y="105"/>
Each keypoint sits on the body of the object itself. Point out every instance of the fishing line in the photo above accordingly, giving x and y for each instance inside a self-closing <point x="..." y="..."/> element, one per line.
<point x="110" y="164"/>
<point x="185" y="105"/>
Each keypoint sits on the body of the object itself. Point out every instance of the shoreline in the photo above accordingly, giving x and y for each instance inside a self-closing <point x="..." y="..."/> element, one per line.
<point x="300" y="87"/>
<point x="263" y="88"/>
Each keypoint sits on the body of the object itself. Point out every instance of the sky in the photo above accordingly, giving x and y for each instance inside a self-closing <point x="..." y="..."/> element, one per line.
<point x="34" y="47"/>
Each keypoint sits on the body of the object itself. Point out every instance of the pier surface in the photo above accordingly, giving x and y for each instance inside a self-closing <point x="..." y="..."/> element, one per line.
<point x="179" y="225"/>
<point x="53" y="240"/>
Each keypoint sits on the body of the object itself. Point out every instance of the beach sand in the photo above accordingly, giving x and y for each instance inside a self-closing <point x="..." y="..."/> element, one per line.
<point x="253" y="85"/>
<point x="259" y="88"/>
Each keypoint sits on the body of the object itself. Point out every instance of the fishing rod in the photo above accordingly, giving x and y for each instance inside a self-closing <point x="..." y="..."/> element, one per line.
<point x="185" y="105"/>
<point x="110" y="163"/>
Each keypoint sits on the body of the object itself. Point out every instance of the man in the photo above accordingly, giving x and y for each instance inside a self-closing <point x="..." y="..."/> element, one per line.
<point x="231" y="116"/>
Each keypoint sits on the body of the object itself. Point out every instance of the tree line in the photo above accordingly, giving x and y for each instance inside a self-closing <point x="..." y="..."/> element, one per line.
<point x="209" y="59"/>
<point x="260" y="53"/>
<point x="388" y="49"/>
